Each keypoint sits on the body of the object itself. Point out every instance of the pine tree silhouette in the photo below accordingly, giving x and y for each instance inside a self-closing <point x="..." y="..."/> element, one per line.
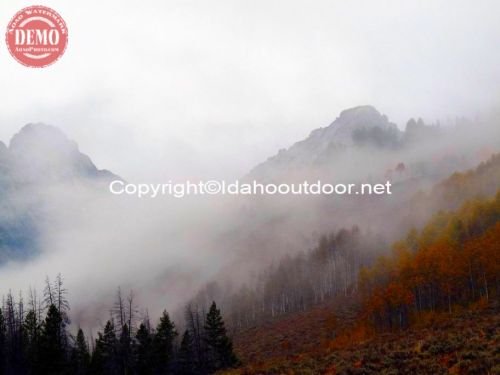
<point x="3" y="343"/>
<point x="185" y="359"/>
<point x="104" y="358"/>
<point x="163" y="344"/>
<point x="80" y="357"/>
<point x="143" y="351"/>
<point x="52" y="351"/>
<point x="220" y="353"/>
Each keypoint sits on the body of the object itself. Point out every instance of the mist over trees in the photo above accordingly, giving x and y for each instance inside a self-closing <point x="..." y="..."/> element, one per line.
<point x="35" y="339"/>
<point x="253" y="231"/>
<point x="36" y="334"/>
<point x="296" y="283"/>
<point x="341" y="259"/>
<point x="451" y="261"/>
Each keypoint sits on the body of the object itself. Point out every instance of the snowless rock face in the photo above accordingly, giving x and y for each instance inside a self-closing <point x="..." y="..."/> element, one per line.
<point x="322" y="143"/>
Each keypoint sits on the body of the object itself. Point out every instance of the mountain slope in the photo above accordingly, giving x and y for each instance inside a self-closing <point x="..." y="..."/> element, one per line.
<point x="465" y="343"/>
<point x="435" y="299"/>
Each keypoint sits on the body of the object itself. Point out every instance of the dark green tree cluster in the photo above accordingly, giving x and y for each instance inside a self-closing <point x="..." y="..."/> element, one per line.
<point x="203" y="349"/>
<point x="148" y="351"/>
<point x="205" y="346"/>
<point x="30" y="344"/>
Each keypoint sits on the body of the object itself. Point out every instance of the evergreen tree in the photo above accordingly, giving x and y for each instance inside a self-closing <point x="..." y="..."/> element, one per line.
<point x="125" y="351"/>
<point x="32" y="331"/>
<point x="98" y="356"/>
<point x="80" y="354"/>
<point x="163" y="344"/>
<point x="143" y="351"/>
<point x="3" y="343"/>
<point x="220" y="353"/>
<point x="52" y="350"/>
<point x="185" y="358"/>
<point x="104" y="357"/>
<point x="110" y="345"/>
<point x="14" y="352"/>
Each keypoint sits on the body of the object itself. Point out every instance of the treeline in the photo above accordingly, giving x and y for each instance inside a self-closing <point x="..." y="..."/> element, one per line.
<point x="297" y="282"/>
<point x="453" y="261"/>
<point x="35" y="339"/>
<point x="392" y="138"/>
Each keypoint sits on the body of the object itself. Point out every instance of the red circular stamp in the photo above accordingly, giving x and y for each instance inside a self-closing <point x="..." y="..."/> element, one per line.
<point x="37" y="36"/>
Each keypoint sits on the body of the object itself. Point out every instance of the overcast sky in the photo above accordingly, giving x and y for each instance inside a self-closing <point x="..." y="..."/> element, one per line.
<point x="206" y="89"/>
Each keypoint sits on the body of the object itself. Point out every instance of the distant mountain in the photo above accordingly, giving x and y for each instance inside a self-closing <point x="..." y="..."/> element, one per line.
<point x="350" y="122"/>
<point x="39" y="156"/>
<point x="360" y="146"/>
<point x="42" y="153"/>
<point x="362" y="125"/>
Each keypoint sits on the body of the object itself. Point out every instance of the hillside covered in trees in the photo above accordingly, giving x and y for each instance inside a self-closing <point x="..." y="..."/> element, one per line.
<point x="454" y="260"/>
<point x="298" y="282"/>
<point x="354" y="284"/>
<point x="440" y="285"/>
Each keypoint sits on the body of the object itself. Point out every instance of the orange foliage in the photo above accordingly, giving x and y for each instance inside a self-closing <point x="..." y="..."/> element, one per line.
<point x="453" y="261"/>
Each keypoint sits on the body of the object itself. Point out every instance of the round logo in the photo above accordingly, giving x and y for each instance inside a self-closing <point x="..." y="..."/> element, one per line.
<point x="37" y="36"/>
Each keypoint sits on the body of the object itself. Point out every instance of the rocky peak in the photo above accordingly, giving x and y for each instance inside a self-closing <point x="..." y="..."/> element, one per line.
<point x="350" y="120"/>
<point x="42" y="141"/>
<point x="43" y="152"/>
<point x="323" y="143"/>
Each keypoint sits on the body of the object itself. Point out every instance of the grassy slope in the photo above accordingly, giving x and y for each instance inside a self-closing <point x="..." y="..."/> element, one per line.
<point x="324" y="340"/>
<point x="296" y="333"/>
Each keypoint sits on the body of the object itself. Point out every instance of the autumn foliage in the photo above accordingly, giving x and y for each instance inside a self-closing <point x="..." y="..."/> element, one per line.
<point x="429" y="307"/>
<point x="452" y="262"/>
